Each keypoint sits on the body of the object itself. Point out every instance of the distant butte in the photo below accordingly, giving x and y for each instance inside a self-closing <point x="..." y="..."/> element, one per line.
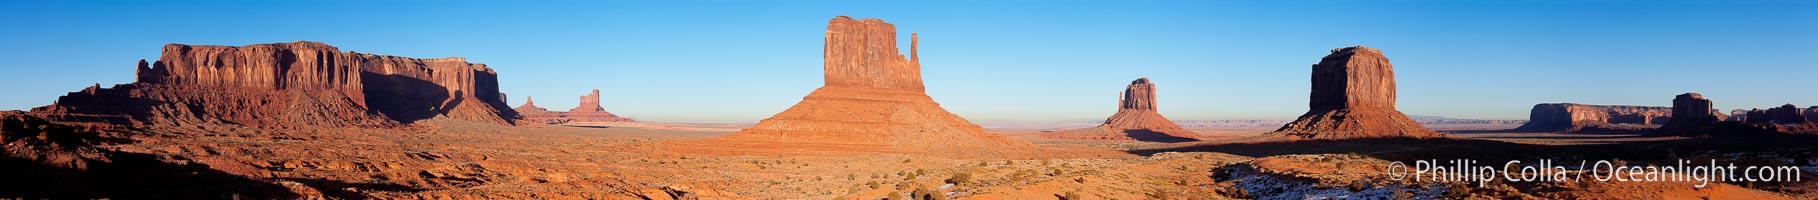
<point x="590" y="111"/>
<point x="1571" y="117"/>
<point x="1136" y="120"/>
<point x="872" y="101"/>
<point x="291" y="84"/>
<point x="1353" y="97"/>
<point x="531" y="112"/>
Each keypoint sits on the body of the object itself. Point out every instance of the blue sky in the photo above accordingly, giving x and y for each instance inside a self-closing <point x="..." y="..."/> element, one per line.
<point x="989" y="61"/>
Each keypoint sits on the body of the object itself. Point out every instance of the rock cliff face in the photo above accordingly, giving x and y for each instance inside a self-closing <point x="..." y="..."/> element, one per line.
<point x="1691" y="112"/>
<point x="590" y="111"/>
<point x="1811" y="114"/>
<point x="1786" y="114"/>
<point x="1136" y="120"/>
<point x="1570" y="117"/>
<point x="873" y="101"/>
<point x="1353" y="97"/>
<point x="294" y="84"/>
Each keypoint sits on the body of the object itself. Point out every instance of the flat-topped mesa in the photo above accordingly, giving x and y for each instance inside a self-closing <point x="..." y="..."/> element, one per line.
<point x="1571" y="117"/>
<point x="1353" y="96"/>
<point x="1136" y="120"/>
<point x="295" y="84"/>
<point x="863" y="53"/>
<point x="590" y="111"/>
<point x="872" y="102"/>
<point x="1691" y="111"/>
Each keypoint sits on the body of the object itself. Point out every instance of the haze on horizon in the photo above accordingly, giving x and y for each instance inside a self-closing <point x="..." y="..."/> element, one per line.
<point x="1001" y="61"/>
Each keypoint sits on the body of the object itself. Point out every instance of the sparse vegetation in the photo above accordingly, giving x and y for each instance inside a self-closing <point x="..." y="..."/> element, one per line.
<point x="960" y="178"/>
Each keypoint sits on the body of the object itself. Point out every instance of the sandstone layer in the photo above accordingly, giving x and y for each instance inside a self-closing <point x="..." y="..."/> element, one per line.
<point x="1353" y="97"/>
<point x="1136" y="120"/>
<point x="590" y="111"/>
<point x="1571" y="117"/>
<point x="872" y="101"/>
<point x="292" y="84"/>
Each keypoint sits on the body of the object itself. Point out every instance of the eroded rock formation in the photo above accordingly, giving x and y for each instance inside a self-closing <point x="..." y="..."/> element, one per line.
<point x="1571" y="117"/>
<point x="293" y="84"/>
<point x="530" y="112"/>
<point x="590" y="111"/>
<point x="1811" y="114"/>
<point x="872" y="101"/>
<point x="1785" y="114"/>
<point x="1136" y="120"/>
<point x="1691" y="112"/>
<point x="1353" y="97"/>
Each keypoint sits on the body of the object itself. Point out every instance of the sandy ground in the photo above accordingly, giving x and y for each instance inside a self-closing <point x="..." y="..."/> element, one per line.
<point x="449" y="159"/>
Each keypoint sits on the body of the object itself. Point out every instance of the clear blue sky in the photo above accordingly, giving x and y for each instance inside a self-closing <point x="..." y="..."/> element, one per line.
<point x="991" y="61"/>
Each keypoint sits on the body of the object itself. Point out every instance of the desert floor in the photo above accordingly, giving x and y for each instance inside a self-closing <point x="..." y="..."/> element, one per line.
<point x="441" y="158"/>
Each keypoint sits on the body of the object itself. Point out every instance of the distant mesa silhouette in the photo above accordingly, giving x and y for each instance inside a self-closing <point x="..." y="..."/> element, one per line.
<point x="1571" y="117"/>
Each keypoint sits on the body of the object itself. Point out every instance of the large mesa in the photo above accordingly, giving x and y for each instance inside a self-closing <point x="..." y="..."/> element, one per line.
<point x="1136" y="120"/>
<point x="1353" y="97"/>
<point x="292" y="84"/>
<point x="872" y="101"/>
<point x="1571" y="117"/>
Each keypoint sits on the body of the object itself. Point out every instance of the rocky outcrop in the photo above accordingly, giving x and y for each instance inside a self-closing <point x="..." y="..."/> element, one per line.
<point x="1691" y="112"/>
<point x="1353" y="97"/>
<point x="530" y="112"/>
<point x="1786" y="114"/>
<point x="590" y="111"/>
<point x="1136" y="120"/>
<point x="873" y="101"/>
<point x="1811" y="114"/>
<point x="1571" y="117"/>
<point x="294" y="84"/>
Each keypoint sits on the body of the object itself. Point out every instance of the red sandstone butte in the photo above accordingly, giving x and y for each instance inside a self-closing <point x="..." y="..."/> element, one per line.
<point x="590" y="111"/>
<point x="292" y="84"/>
<point x="872" y="101"/>
<point x="1353" y="97"/>
<point x="530" y="112"/>
<point x="1571" y="117"/>
<point x="1136" y="120"/>
<point x="1691" y="112"/>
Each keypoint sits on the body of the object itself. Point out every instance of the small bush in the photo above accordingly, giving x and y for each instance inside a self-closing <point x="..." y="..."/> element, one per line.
<point x="873" y="184"/>
<point x="1070" y="195"/>
<point x="895" y="196"/>
<point x="920" y="193"/>
<point x="961" y="178"/>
